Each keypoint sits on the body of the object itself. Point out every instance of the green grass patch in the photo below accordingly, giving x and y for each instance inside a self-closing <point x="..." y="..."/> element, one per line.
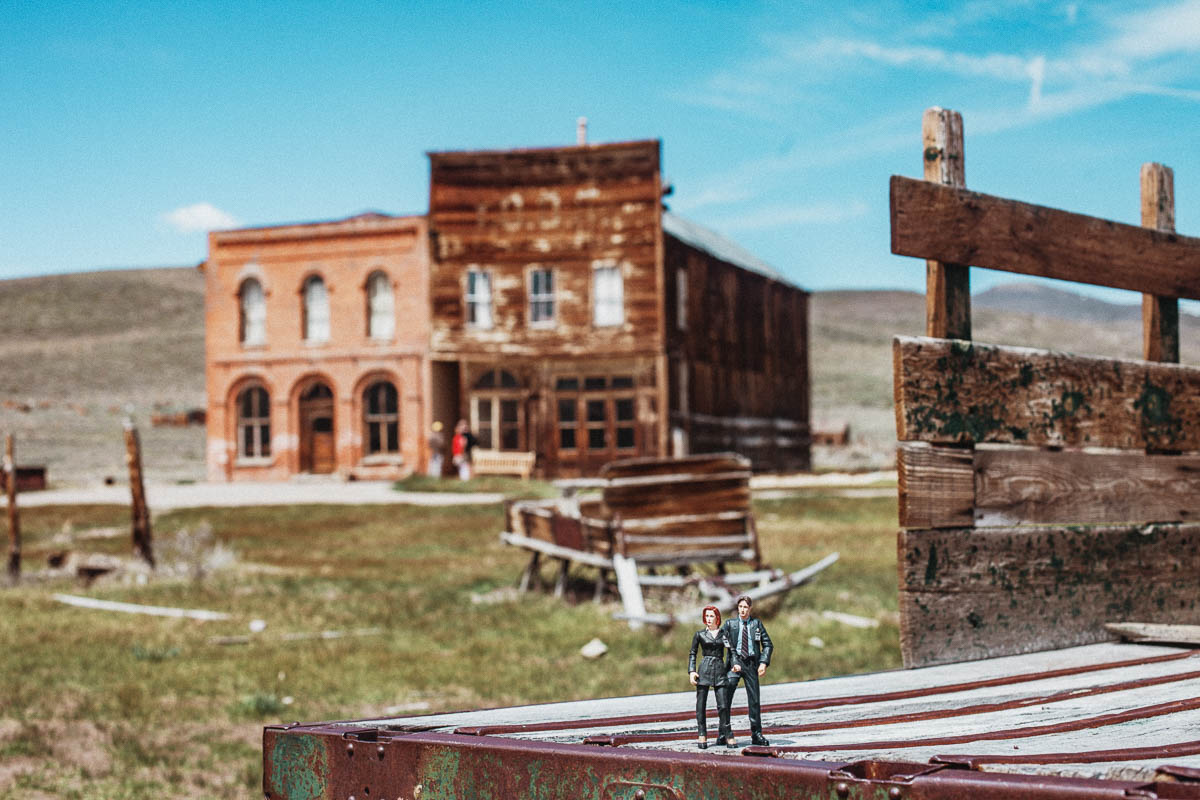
<point x="487" y="484"/>
<point x="154" y="709"/>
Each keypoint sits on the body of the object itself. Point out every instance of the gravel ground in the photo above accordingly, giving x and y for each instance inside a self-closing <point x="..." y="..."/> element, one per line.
<point x="165" y="497"/>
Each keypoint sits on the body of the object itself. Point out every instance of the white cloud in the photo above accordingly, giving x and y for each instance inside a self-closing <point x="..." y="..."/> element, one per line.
<point x="781" y="216"/>
<point x="199" y="217"/>
<point x="1162" y="31"/>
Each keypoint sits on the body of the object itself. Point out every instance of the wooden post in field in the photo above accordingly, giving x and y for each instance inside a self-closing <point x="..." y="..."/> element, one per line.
<point x="14" y="521"/>
<point x="141" y="514"/>
<point x="947" y="286"/>
<point x="1160" y="315"/>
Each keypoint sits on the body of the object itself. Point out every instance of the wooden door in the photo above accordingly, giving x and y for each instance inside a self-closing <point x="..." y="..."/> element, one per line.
<point x="317" y="450"/>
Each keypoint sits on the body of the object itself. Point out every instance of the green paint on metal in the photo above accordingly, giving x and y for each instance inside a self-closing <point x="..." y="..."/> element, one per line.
<point x="299" y="767"/>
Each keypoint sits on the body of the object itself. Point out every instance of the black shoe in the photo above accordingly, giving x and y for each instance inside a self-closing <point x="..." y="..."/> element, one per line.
<point x="702" y="745"/>
<point x="759" y="740"/>
<point x="730" y="743"/>
<point x="721" y="740"/>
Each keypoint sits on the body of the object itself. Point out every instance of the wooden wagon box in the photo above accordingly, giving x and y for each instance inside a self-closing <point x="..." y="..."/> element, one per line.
<point x="1097" y="721"/>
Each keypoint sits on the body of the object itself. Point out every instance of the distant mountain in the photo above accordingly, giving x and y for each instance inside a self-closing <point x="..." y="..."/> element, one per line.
<point x="1033" y="298"/>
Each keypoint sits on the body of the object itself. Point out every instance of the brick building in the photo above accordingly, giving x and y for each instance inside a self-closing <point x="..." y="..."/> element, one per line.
<point x="316" y="341"/>
<point x="548" y="297"/>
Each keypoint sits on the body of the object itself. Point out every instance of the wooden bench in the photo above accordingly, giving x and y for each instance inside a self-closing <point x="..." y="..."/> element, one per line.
<point x="503" y="462"/>
<point x="657" y="512"/>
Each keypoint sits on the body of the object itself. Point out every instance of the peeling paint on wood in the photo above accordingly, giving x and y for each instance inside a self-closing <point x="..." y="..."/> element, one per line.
<point x="949" y="391"/>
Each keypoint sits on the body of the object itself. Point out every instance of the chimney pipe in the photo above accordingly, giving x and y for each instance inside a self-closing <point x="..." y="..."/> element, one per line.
<point x="581" y="131"/>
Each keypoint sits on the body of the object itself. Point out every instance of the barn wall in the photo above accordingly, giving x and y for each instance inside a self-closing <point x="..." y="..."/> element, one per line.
<point x="738" y="360"/>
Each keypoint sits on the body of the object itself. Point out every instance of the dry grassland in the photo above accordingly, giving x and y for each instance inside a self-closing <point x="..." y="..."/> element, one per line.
<point x="97" y="704"/>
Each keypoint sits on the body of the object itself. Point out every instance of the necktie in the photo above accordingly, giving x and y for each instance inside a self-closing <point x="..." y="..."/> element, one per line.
<point x="745" y="640"/>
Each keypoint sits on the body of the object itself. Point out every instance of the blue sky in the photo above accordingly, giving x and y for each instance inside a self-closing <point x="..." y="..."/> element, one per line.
<point x="129" y="129"/>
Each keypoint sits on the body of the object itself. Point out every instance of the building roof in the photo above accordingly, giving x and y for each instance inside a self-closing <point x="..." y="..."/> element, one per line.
<point x="719" y="247"/>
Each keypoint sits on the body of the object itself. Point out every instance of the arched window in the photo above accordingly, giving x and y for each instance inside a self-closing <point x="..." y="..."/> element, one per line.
<point x="381" y="307"/>
<point x="381" y="419"/>
<point x="316" y="310"/>
<point x="252" y="319"/>
<point x="254" y="423"/>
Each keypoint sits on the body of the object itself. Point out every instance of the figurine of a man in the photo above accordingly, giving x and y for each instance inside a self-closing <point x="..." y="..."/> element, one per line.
<point x="750" y="657"/>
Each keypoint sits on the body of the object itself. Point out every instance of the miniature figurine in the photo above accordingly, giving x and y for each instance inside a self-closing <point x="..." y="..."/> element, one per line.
<point x="710" y="674"/>
<point x="750" y="654"/>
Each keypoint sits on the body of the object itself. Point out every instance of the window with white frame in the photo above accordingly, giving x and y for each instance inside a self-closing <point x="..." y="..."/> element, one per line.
<point x="252" y="316"/>
<point x="381" y="307"/>
<point x="479" y="298"/>
<point x="541" y="297"/>
<point x="316" y="310"/>
<point x="608" y="296"/>
<point x="253" y="423"/>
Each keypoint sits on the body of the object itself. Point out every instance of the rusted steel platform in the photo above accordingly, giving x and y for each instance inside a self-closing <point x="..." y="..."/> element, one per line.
<point x="1103" y="721"/>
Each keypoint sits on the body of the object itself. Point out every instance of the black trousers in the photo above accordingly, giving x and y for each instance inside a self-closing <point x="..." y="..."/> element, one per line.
<point x="722" y="697"/>
<point x="749" y="674"/>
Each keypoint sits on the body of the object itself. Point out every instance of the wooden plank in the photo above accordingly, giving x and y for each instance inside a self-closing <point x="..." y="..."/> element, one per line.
<point x="949" y="224"/>
<point x="936" y="486"/>
<point x="1152" y="632"/>
<point x="1016" y="487"/>
<point x="948" y="391"/>
<point x="942" y="487"/>
<point x="692" y="465"/>
<point x="947" y="285"/>
<point x="1160" y="315"/>
<point x="971" y="594"/>
<point x="556" y="551"/>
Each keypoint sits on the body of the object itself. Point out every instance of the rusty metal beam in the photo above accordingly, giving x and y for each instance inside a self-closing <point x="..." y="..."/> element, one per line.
<point x="324" y="762"/>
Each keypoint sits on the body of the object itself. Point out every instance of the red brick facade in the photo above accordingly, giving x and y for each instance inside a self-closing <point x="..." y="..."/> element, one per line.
<point x="316" y="342"/>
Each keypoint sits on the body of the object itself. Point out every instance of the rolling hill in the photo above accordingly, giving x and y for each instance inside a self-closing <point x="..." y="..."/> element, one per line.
<point x="78" y="351"/>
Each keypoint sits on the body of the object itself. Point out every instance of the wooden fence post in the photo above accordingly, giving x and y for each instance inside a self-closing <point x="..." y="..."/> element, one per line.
<point x="1160" y="315"/>
<point x="948" y="286"/>
<point x="141" y="514"/>
<point x="14" y="521"/>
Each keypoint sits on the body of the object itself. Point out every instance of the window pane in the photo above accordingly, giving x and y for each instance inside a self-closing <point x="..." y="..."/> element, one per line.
<point x="316" y="310"/>
<point x="608" y="300"/>
<point x="381" y="318"/>
<point x="485" y="438"/>
<point x="373" y="437"/>
<point x="510" y="438"/>
<point x="247" y="440"/>
<point x="625" y="409"/>
<point x="566" y="438"/>
<point x="484" y="404"/>
<point x="487" y="380"/>
<point x="567" y="411"/>
<point x="624" y="438"/>
<point x="254" y="313"/>
<point x="508" y="410"/>
<point x="595" y="411"/>
<point x="595" y="382"/>
<point x="567" y="384"/>
<point x="622" y="382"/>
<point x="507" y="380"/>
<point x="596" y="438"/>
<point x="264" y="435"/>
<point x="393" y="437"/>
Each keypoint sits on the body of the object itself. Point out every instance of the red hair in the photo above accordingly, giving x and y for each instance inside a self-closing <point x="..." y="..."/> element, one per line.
<point x="707" y="609"/>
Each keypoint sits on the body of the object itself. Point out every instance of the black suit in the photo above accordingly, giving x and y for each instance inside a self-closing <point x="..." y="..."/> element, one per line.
<point x="759" y="646"/>
<point x="711" y="673"/>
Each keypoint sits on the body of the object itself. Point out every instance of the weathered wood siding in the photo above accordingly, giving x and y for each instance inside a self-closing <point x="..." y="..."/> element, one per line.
<point x="569" y="209"/>
<point x="743" y="346"/>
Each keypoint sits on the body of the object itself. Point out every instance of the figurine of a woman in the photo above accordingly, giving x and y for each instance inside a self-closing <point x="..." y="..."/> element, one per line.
<point x="710" y="674"/>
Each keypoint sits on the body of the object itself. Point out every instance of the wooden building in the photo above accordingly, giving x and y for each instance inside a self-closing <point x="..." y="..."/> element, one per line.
<point x="574" y="317"/>
<point x="548" y="298"/>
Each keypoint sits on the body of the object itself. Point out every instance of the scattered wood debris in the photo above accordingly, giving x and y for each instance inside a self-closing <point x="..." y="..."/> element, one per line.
<point x="1155" y="632"/>
<point x="134" y="608"/>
